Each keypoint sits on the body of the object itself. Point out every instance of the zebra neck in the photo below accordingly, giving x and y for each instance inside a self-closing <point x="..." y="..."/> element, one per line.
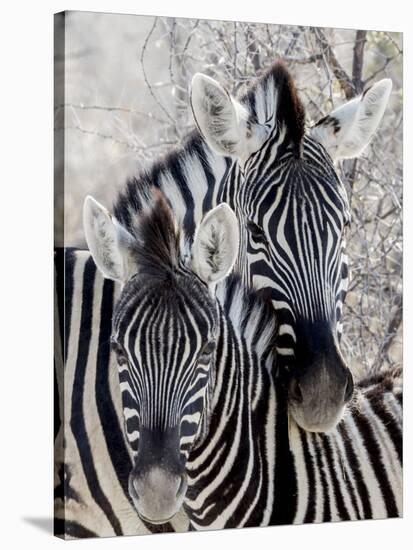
<point x="192" y="177"/>
<point x="238" y="442"/>
<point x="251" y="316"/>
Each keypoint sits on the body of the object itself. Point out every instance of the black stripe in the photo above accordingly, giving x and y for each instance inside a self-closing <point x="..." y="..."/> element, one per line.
<point x="248" y="446"/>
<point x="312" y="489"/>
<point x="59" y="265"/>
<point x="348" y="483"/>
<point x="391" y="426"/>
<point x="339" y="500"/>
<point x="57" y="421"/>
<point x="377" y="464"/>
<point x="69" y="265"/>
<point x="199" y="153"/>
<point x="261" y="444"/>
<point x="58" y="371"/>
<point x="107" y="412"/>
<point x="352" y="459"/>
<point x="320" y="467"/>
<point x="238" y="468"/>
<point x="175" y="170"/>
<point x="285" y="483"/>
<point x="64" y="528"/>
<point x="77" y="420"/>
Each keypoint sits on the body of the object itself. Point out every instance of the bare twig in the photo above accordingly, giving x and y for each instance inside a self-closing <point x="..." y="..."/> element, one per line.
<point x="109" y="137"/>
<point x="382" y="68"/>
<point x="142" y="58"/>
<point x="392" y="330"/>
<point x="358" y="60"/>
<point x="338" y="71"/>
<point x="111" y="110"/>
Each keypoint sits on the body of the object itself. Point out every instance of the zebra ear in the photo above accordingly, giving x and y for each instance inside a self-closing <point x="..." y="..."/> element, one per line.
<point x="108" y="242"/>
<point x="349" y="128"/>
<point x="226" y="125"/>
<point x="216" y="242"/>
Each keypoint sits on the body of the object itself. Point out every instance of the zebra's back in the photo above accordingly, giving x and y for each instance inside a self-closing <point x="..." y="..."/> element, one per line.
<point x="354" y="471"/>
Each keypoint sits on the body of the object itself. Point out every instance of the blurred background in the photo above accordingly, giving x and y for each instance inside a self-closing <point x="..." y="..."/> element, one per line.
<point x="126" y="102"/>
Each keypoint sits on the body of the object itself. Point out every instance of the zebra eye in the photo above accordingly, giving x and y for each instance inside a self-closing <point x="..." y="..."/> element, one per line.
<point x="256" y="232"/>
<point x="120" y="353"/>
<point x="208" y="348"/>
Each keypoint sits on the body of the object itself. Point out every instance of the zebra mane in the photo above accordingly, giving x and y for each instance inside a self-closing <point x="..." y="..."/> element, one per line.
<point x="177" y="172"/>
<point x="274" y="90"/>
<point x="157" y="238"/>
<point x="251" y="312"/>
<point x="185" y="169"/>
<point x="159" y="256"/>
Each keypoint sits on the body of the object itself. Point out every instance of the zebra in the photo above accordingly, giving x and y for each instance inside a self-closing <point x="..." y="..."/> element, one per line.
<point x="293" y="212"/>
<point x="92" y="457"/>
<point x="194" y="179"/>
<point x="206" y="420"/>
<point x="255" y="154"/>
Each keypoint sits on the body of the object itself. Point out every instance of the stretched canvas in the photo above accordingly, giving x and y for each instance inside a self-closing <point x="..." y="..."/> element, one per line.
<point x="228" y="274"/>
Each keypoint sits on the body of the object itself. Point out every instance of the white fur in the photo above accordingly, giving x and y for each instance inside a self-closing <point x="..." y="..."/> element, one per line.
<point x="216" y="242"/>
<point x="358" y="120"/>
<point x="107" y="241"/>
<point x="227" y="133"/>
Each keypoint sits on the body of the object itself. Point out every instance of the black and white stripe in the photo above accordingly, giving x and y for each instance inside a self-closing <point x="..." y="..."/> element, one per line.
<point x="194" y="179"/>
<point x="92" y="455"/>
<point x="273" y="472"/>
<point x="293" y="217"/>
<point x="353" y="472"/>
<point x="246" y="463"/>
<point x="293" y="211"/>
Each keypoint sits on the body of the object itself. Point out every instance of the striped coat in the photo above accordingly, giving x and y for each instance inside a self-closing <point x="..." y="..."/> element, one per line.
<point x="92" y="458"/>
<point x="286" y="475"/>
<point x="282" y="474"/>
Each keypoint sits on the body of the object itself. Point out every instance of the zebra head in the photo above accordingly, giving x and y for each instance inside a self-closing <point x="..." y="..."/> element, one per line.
<point x="165" y="329"/>
<point x="293" y="211"/>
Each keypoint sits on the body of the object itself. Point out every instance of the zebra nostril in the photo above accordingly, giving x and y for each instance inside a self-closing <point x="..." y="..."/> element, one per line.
<point x="135" y="488"/>
<point x="295" y="391"/>
<point x="182" y="486"/>
<point x="349" y="388"/>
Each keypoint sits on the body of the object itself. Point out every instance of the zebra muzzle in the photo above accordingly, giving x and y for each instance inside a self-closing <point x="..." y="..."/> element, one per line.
<point x="157" y="494"/>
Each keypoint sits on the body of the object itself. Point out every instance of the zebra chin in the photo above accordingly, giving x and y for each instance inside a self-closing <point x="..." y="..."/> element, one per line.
<point x="317" y="402"/>
<point x="157" y="495"/>
<point x="321" y="383"/>
<point x="312" y="423"/>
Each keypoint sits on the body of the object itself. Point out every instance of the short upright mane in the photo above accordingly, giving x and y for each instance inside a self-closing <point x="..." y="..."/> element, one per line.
<point x="278" y="86"/>
<point x="167" y="171"/>
<point x="157" y="239"/>
<point x="157" y="249"/>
